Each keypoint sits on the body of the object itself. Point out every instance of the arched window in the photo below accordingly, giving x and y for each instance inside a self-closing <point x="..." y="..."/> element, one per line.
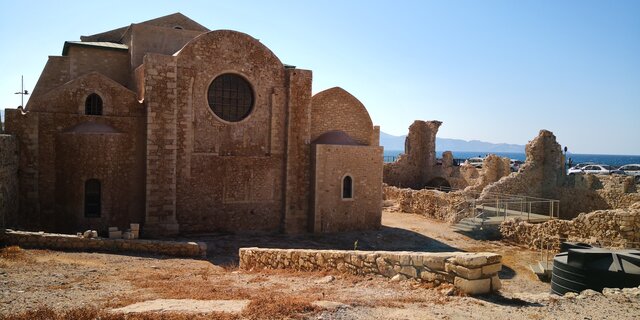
<point x="92" y="198"/>
<point x="347" y="187"/>
<point x="93" y="105"/>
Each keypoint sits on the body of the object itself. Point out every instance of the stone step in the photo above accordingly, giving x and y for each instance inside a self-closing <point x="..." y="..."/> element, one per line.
<point x="470" y="223"/>
<point x="541" y="271"/>
<point x="461" y="228"/>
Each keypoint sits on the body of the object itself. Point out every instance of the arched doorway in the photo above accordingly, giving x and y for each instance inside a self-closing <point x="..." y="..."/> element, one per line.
<point x="438" y="183"/>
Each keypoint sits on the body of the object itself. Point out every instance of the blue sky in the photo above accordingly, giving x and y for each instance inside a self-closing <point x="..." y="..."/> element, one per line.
<point x="496" y="71"/>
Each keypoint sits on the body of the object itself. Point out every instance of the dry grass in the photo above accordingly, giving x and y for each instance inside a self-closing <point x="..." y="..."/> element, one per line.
<point x="88" y="313"/>
<point x="279" y="307"/>
<point x="13" y="253"/>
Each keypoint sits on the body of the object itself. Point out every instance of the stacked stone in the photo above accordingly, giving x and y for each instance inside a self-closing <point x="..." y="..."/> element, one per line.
<point x="430" y="203"/>
<point x="55" y="241"/>
<point x="472" y="273"/>
<point x="615" y="228"/>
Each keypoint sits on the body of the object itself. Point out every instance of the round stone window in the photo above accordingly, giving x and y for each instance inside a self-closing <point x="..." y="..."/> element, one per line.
<point x="230" y="97"/>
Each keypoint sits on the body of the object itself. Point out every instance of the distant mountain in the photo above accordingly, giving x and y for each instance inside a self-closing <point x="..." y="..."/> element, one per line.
<point x="391" y="142"/>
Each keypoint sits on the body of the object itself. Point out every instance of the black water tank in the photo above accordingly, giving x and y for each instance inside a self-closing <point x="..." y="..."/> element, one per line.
<point x="594" y="268"/>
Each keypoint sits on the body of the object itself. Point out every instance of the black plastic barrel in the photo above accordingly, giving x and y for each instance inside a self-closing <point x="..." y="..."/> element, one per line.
<point x="594" y="268"/>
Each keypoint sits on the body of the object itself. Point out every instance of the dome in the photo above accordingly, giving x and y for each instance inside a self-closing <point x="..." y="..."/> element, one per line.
<point x="335" y="137"/>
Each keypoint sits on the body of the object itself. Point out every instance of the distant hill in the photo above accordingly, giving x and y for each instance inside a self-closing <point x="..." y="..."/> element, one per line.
<point x="391" y="142"/>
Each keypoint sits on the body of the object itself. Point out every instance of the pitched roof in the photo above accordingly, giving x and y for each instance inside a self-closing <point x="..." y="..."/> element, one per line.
<point x="170" y="21"/>
<point x="106" y="45"/>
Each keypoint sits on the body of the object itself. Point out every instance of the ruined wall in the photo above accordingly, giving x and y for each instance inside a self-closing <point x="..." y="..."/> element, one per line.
<point x="493" y="169"/>
<point x="56" y="241"/>
<point x="8" y="179"/>
<point x="471" y="273"/>
<point x="413" y="168"/>
<point x="540" y="175"/>
<point x="434" y="204"/>
<point x="588" y="192"/>
<point x="332" y="213"/>
<point x="337" y="109"/>
<point x="615" y="227"/>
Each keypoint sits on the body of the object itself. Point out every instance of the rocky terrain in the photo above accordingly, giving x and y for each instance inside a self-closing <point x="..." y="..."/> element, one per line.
<point x="56" y="285"/>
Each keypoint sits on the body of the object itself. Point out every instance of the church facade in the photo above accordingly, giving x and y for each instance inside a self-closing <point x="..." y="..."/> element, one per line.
<point x="187" y="130"/>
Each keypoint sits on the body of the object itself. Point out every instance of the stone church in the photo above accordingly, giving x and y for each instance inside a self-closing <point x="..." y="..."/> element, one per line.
<point x="187" y="130"/>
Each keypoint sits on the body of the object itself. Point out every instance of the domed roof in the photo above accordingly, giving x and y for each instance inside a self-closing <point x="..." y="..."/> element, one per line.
<point x="91" y="127"/>
<point x="335" y="137"/>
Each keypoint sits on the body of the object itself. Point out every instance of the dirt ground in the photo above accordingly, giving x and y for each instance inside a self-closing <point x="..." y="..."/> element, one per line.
<point x="59" y="282"/>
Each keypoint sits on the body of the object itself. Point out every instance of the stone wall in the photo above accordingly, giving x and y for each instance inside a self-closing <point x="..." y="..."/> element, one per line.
<point x="539" y="176"/>
<point x="472" y="273"/>
<point x="434" y="204"/>
<point x="412" y="169"/>
<point x="616" y="227"/>
<point x="331" y="164"/>
<point x="55" y="241"/>
<point x="8" y="178"/>
<point x="588" y="192"/>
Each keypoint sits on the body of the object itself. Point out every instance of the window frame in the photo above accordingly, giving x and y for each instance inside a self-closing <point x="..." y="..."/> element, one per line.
<point x="352" y="188"/>
<point x="211" y="95"/>
<point x="99" y="107"/>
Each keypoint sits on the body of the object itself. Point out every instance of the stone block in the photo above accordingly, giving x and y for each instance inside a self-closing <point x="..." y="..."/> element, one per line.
<point x="409" y="271"/>
<point x="493" y="258"/>
<point x="496" y="284"/>
<point x="472" y="287"/>
<point x="491" y="269"/>
<point x="115" y="234"/>
<point x="113" y="229"/>
<point x="436" y="261"/>
<point x="464" y="272"/>
<point x="134" y="226"/>
<point x="469" y="260"/>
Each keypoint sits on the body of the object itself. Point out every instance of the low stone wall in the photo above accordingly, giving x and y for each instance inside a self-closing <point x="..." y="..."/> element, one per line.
<point x="449" y="207"/>
<point x="615" y="228"/>
<point x="472" y="273"/>
<point x="56" y="241"/>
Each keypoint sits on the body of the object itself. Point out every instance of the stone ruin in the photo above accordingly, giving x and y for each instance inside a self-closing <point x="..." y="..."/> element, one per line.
<point x="605" y="206"/>
<point x="418" y="167"/>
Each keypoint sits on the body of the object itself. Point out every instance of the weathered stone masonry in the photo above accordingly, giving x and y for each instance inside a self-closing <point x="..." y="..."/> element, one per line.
<point x="472" y="273"/>
<point x="165" y="158"/>
<point x="8" y="177"/>
<point x="41" y="240"/>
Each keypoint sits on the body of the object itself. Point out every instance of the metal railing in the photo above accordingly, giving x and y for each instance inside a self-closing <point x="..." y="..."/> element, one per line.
<point x="456" y="161"/>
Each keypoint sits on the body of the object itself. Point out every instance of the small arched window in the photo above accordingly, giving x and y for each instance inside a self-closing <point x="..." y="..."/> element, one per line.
<point x="347" y="187"/>
<point x="92" y="198"/>
<point x="93" y="105"/>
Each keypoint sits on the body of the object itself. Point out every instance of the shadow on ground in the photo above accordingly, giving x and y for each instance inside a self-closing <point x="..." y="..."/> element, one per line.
<point x="223" y="248"/>
<point x="499" y="299"/>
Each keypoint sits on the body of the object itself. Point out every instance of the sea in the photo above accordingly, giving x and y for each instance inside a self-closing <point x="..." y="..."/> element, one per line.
<point x="610" y="159"/>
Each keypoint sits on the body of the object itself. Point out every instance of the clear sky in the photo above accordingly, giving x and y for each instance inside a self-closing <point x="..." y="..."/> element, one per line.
<point x="496" y="71"/>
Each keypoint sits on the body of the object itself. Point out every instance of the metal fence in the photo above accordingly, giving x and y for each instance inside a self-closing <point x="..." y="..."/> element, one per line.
<point x="456" y="162"/>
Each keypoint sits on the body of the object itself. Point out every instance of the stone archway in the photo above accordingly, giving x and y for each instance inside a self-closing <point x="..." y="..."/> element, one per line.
<point x="439" y="183"/>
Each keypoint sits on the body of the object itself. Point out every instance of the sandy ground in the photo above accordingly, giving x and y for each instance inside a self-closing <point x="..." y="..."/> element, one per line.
<point x="31" y="279"/>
